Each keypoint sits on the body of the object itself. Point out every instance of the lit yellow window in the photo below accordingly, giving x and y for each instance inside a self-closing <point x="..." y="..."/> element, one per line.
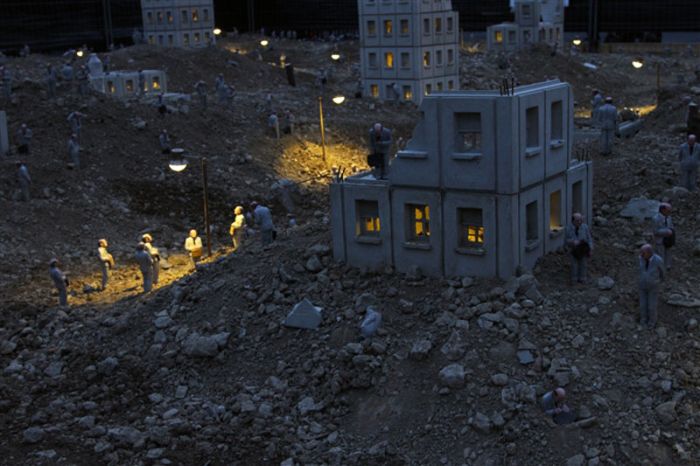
<point x="472" y="231"/>
<point x="367" y="215"/>
<point x="388" y="27"/>
<point x="407" y="93"/>
<point x="498" y="37"/>
<point x="111" y="88"/>
<point x="195" y="15"/>
<point x="426" y="59"/>
<point x="156" y="83"/>
<point x="420" y="223"/>
<point x="389" y="60"/>
<point x="374" y="90"/>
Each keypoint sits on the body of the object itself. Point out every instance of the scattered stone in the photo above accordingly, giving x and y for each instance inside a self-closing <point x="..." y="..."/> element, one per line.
<point x="452" y="376"/>
<point x="481" y="423"/>
<point x="304" y="315"/>
<point x="33" y="435"/>
<point x="499" y="380"/>
<point x="666" y="412"/>
<point x="370" y="324"/>
<point x="420" y="350"/>
<point x="204" y="346"/>
<point x="605" y="283"/>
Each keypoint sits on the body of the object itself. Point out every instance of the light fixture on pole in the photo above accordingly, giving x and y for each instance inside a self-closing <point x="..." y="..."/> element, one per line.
<point x="577" y="42"/>
<point x="80" y="53"/>
<point x="178" y="163"/>
<point x="323" y="129"/>
<point x="335" y="56"/>
<point x="264" y="42"/>
<point x="217" y="31"/>
<point x="638" y="63"/>
<point x="339" y="99"/>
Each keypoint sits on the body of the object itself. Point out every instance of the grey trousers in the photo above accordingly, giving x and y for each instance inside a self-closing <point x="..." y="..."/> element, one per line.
<point x="156" y="270"/>
<point x="147" y="280"/>
<point x="266" y="237"/>
<point x="24" y="187"/>
<point x="62" y="296"/>
<point x="648" y="301"/>
<point x="578" y="269"/>
<point x="105" y="274"/>
<point x="665" y="254"/>
<point x="606" y="140"/>
<point x="689" y="177"/>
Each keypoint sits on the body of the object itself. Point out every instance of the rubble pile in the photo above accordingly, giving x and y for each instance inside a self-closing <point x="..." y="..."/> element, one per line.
<point x="279" y="355"/>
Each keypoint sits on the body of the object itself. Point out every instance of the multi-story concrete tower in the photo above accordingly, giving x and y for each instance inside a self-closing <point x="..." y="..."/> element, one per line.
<point x="536" y="21"/>
<point x="178" y="23"/>
<point x="409" y="48"/>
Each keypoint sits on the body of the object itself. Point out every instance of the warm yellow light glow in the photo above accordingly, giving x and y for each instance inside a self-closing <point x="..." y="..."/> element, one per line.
<point x="577" y="42"/>
<point x="339" y="99"/>
<point x="637" y="64"/>
<point x="264" y="42"/>
<point x="156" y="84"/>
<point x="217" y="31"/>
<point x="335" y="56"/>
<point x="475" y="234"/>
<point x="499" y="37"/>
<point x="79" y="53"/>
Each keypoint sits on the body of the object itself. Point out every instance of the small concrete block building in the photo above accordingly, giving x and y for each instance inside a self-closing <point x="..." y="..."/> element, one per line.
<point x="536" y="21"/>
<point x="123" y="84"/>
<point x="408" y="48"/>
<point x="178" y="23"/>
<point x="486" y="184"/>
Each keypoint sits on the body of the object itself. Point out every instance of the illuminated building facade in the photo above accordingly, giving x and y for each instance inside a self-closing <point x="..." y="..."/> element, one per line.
<point x="408" y="48"/>
<point x="178" y="23"/>
<point x="487" y="184"/>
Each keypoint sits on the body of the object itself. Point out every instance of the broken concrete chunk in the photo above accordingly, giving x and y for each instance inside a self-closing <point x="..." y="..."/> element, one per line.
<point x="304" y="315"/>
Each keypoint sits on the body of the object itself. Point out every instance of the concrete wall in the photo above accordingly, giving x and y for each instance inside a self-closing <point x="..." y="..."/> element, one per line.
<point x="419" y="164"/>
<point x="364" y="251"/>
<point x="530" y="251"/>
<point x="415" y="40"/>
<point x="178" y="23"/>
<point x="470" y="261"/>
<point x="554" y="238"/>
<point x="4" y="139"/>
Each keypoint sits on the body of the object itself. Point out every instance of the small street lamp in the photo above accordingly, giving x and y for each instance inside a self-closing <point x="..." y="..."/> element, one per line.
<point x="217" y="31"/>
<point x="179" y="163"/>
<point x="335" y="56"/>
<point x="264" y="42"/>
<point x="638" y="63"/>
<point x="339" y="99"/>
<point x="577" y="42"/>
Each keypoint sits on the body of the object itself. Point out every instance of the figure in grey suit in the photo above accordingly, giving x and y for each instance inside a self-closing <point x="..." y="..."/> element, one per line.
<point x="689" y="158"/>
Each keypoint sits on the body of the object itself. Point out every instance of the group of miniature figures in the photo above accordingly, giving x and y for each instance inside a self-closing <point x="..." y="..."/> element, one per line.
<point x="148" y="257"/>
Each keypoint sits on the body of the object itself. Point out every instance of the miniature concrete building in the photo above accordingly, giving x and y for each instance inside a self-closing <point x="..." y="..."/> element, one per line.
<point x="487" y="184"/>
<point x="125" y="83"/>
<point x="536" y="21"/>
<point x="4" y="140"/>
<point x="178" y="23"/>
<point x="408" y="48"/>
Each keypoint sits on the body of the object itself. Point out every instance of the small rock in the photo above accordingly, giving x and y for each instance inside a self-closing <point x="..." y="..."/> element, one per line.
<point x="33" y="435"/>
<point x="452" y="376"/>
<point x="605" y="283"/>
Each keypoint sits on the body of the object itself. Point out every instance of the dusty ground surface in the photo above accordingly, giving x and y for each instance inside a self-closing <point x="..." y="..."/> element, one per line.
<point x="200" y="371"/>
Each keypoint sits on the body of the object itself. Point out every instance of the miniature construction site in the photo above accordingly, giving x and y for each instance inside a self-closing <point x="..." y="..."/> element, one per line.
<point x="405" y="245"/>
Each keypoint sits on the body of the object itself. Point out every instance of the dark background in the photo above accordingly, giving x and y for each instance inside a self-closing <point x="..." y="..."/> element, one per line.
<point x="59" y="24"/>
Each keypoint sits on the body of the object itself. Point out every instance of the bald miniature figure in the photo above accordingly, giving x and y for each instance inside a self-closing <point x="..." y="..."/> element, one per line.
<point x="193" y="246"/>
<point x="60" y="282"/>
<point x="689" y="159"/>
<point x="145" y="262"/>
<point x="651" y="274"/>
<point x="607" y="119"/>
<point x="579" y="242"/>
<point x="237" y="227"/>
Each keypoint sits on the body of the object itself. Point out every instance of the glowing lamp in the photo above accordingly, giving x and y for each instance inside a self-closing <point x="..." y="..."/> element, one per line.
<point x="217" y="31"/>
<point x="264" y="42"/>
<point x="79" y="53"/>
<point x="335" y="56"/>
<point x="178" y="162"/>
<point x="577" y="42"/>
<point x="339" y="99"/>
<point x="637" y="64"/>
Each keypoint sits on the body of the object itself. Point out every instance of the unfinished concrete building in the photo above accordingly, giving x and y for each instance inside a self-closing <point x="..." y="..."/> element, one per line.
<point x="408" y="48"/>
<point x="536" y="21"/>
<point x="178" y="23"/>
<point x="124" y="84"/>
<point x="487" y="184"/>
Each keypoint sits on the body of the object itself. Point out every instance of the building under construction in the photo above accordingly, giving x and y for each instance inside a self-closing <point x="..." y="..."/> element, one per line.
<point x="55" y="24"/>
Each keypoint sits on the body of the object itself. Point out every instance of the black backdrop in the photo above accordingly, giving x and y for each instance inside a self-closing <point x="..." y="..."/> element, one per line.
<point x="59" y="24"/>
